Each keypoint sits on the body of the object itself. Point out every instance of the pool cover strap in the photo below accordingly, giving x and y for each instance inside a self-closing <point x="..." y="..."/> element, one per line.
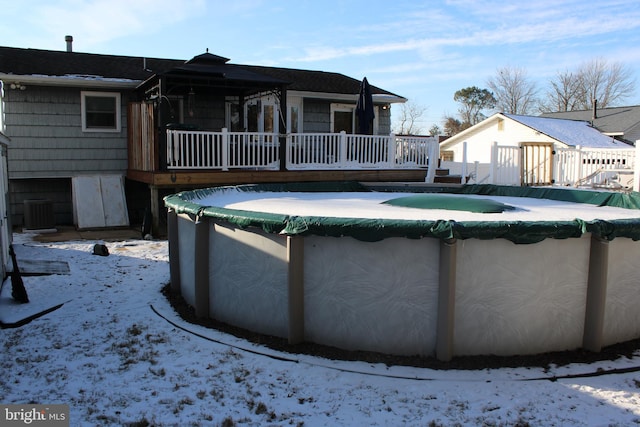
<point x="520" y="232"/>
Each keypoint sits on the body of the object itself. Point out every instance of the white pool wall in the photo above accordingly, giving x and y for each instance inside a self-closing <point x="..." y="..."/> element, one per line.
<point x="375" y="296"/>
<point x="383" y="296"/>
<point x="520" y="299"/>
<point x="622" y="313"/>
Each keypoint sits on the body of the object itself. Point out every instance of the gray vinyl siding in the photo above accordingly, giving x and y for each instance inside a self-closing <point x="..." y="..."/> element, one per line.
<point x="47" y="141"/>
<point x="317" y="116"/>
<point x="384" y="121"/>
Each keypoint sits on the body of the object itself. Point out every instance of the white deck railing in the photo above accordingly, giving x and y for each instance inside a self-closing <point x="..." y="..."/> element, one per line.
<point x="318" y="151"/>
<point x="221" y="150"/>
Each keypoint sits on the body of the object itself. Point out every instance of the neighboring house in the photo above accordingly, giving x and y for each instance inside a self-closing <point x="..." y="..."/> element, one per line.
<point x="5" y="220"/>
<point x="534" y="141"/>
<point x="621" y="122"/>
<point x="73" y="114"/>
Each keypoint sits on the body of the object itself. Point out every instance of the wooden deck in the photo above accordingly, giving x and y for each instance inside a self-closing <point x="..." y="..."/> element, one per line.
<point x="199" y="179"/>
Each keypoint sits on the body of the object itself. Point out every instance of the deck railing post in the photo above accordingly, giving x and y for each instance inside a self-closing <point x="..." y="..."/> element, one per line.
<point x="225" y="149"/>
<point x="342" y="156"/>
<point x="288" y="151"/>
<point x="169" y="148"/>
<point x="433" y="158"/>
<point x="577" y="166"/>
<point x="391" y="151"/>
<point x="493" y="177"/>
<point x="463" y="173"/>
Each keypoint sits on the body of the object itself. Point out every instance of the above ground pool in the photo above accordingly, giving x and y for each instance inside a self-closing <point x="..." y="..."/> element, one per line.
<point x="412" y="269"/>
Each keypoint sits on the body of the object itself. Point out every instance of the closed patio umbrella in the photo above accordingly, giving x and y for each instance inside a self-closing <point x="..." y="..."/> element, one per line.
<point x="364" y="108"/>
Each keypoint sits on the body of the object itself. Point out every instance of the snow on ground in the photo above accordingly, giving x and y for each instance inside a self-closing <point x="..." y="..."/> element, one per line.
<point x="109" y="355"/>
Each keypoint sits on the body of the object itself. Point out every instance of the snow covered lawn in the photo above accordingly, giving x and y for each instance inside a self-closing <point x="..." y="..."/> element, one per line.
<point x="109" y="355"/>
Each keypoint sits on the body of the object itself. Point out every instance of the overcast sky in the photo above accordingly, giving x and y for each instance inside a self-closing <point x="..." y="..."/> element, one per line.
<point x="421" y="50"/>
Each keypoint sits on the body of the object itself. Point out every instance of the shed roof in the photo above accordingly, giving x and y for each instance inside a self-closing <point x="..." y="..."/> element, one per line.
<point x="569" y="132"/>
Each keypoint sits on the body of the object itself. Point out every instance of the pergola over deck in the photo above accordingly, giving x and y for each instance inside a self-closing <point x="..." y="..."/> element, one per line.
<point x="197" y="149"/>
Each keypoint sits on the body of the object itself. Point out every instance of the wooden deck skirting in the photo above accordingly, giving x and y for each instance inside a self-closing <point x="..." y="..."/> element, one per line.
<point x="215" y="178"/>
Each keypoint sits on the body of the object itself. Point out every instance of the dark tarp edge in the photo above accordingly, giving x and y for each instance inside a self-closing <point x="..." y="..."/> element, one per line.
<point x="519" y="232"/>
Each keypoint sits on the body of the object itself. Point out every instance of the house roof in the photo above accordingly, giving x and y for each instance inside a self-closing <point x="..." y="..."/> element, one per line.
<point x="213" y="67"/>
<point x="36" y="62"/>
<point x="569" y="132"/>
<point x="611" y="120"/>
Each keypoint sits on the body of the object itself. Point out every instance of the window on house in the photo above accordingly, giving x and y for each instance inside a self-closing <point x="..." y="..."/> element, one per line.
<point x="262" y="117"/>
<point x="342" y="118"/>
<point x="100" y="111"/>
<point x="500" y="125"/>
<point x="252" y="118"/>
<point x="446" y="155"/>
<point x="233" y="123"/>
<point x="294" y="119"/>
<point x="268" y="117"/>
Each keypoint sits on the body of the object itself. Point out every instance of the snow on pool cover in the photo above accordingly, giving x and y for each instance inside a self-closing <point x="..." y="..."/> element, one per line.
<point x="383" y="205"/>
<point x="521" y="215"/>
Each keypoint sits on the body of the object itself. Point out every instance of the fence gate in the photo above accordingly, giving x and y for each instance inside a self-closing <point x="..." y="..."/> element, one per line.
<point x="537" y="163"/>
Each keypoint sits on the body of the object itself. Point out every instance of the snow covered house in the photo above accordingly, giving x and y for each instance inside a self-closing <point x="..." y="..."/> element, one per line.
<point x="530" y="150"/>
<point x="83" y="126"/>
<point x="621" y="122"/>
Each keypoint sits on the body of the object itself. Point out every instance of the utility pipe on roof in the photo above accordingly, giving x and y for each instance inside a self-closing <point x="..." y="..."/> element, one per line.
<point x="69" y="40"/>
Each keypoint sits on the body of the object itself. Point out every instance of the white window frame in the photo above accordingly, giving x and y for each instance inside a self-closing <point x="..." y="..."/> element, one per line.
<point x="294" y="102"/>
<point x="346" y="108"/>
<point x="261" y="103"/>
<point x="118" y="112"/>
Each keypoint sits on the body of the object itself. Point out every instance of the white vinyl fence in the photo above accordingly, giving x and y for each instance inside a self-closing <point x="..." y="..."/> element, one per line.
<point x="593" y="167"/>
<point x="613" y="168"/>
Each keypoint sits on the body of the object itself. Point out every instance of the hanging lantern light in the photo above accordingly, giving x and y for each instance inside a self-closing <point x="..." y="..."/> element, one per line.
<point x="191" y="100"/>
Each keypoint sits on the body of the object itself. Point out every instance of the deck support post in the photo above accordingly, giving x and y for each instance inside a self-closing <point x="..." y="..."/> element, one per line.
<point x="596" y="294"/>
<point x="283" y="131"/>
<point x="446" y="300"/>
<point x="155" y="209"/>
<point x="295" y="262"/>
<point x="174" y="251"/>
<point x="201" y="267"/>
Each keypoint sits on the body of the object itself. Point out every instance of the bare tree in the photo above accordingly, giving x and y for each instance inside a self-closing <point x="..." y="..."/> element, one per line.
<point x="410" y="114"/>
<point x="513" y="91"/>
<point x="608" y="83"/>
<point x="564" y="93"/>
